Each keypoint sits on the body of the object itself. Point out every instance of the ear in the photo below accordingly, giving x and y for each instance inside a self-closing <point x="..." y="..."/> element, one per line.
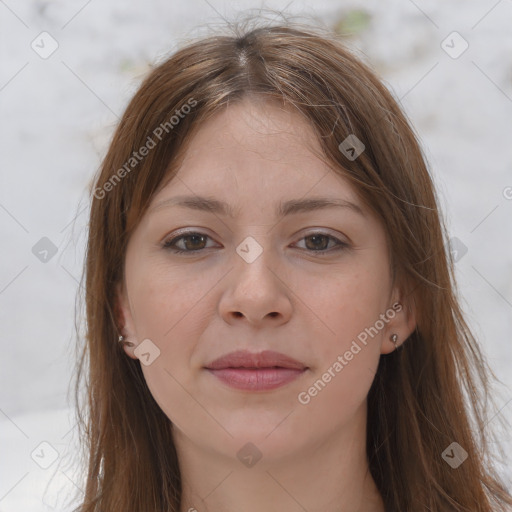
<point x="402" y="321"/>
<point x="124" y="319"/>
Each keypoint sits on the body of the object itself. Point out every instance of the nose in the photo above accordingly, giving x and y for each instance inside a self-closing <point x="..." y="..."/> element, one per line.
<point x="256" y="293"/>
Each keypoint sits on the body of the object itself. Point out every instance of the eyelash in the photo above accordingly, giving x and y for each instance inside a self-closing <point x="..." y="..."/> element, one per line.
<point x="170" y="244"/>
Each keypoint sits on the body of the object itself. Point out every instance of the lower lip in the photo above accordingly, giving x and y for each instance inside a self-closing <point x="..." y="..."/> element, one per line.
<point x="256" y="379"/>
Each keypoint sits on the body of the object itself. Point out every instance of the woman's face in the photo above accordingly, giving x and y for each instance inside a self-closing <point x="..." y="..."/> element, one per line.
<point x="313" y="284"/>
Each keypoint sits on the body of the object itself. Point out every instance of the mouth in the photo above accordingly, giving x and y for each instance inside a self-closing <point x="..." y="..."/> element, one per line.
<point x="261" y="371"/>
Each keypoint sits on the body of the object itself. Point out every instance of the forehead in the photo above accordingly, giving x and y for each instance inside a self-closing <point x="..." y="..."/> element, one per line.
<point x="255" y="150"/>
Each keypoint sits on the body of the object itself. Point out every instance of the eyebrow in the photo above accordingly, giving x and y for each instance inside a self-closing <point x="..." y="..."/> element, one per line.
<point x="291" y="207"/>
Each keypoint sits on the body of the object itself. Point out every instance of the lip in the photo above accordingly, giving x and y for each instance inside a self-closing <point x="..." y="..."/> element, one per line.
<point x="256" y="371"/>
<point x="257" y="379"/>
<point x="246" y="359"/>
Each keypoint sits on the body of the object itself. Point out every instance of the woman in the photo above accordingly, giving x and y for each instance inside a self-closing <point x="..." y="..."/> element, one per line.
<point x="233" y="361"/>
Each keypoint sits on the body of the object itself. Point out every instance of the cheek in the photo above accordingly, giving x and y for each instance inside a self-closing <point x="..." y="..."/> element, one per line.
<point x="347" y="358"/>
<point x="344" y="304"/>
<point x="170" y="308"/>
<point x="165" y="297"/>
<point x="332" y="398"/>
<point x="166" y="311"/>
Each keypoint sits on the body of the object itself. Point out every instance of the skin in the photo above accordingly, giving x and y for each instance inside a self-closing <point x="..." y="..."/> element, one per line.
<point x="199" y="306"/>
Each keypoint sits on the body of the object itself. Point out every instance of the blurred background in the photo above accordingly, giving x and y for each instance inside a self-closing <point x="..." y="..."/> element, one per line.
<point x="68" y="70"/>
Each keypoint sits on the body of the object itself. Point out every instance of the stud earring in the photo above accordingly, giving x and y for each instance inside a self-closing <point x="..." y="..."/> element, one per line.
<point x="394" y="339"/>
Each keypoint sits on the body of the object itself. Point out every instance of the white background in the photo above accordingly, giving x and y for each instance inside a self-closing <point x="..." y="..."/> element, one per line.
<point x="57" y="115"/>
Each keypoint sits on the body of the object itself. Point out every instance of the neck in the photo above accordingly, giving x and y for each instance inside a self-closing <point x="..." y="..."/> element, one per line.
<point x="328" y="475"/>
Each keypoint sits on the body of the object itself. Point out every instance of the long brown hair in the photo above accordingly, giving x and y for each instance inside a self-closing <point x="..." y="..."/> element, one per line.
<point x="430" y="393"/>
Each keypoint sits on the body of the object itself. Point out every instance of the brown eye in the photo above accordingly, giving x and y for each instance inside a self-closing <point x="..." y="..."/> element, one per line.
<point x="319" y="242"/>
<point x="192" y="242"/>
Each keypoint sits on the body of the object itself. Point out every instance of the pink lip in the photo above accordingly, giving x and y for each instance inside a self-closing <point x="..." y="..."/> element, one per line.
<point x="246" y="359"/>
<point x="261" y="371"/>
<point x="256" y="379"/>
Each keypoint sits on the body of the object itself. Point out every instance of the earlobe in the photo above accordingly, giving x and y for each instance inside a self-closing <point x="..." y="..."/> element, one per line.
<point x="400" y="327"/>
<point x="126" y="338"/>
<point x="128" y="347"/>
<point x="391" y="343"/>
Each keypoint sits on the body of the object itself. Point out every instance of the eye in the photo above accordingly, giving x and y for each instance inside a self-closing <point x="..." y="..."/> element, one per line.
<point x="318" y="242"/>
<point x="194" y="241"/>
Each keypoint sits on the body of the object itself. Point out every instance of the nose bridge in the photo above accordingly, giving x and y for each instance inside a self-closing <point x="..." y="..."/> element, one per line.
<point x="256" y="259"/>
<point x="255" y="289"/>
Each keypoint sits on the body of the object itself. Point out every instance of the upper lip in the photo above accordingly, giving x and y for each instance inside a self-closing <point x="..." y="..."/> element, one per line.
<point x="246" y="359"/>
